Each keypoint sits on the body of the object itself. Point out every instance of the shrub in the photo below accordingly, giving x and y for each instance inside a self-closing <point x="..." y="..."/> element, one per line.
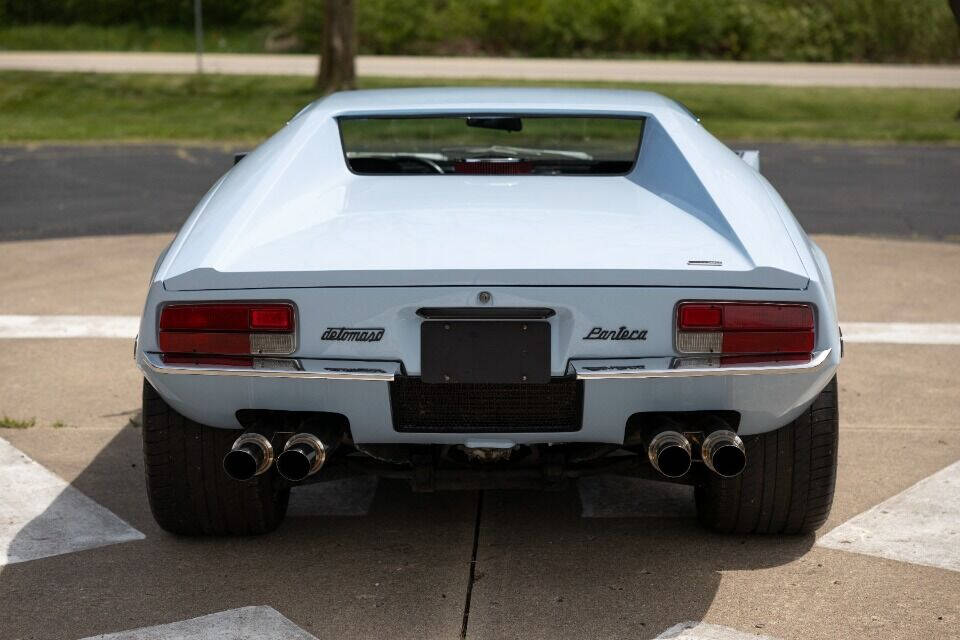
<point x="801" y="30"/>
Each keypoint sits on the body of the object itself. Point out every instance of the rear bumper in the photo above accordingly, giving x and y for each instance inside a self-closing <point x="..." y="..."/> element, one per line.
<point x="620" y="369"/>
<point x="644" y="368"/>
<point x="764" y="395"/>
<point x="295" y="368"/>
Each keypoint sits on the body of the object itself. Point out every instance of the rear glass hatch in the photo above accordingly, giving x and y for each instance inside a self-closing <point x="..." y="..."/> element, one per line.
<point x="491" y="144"/>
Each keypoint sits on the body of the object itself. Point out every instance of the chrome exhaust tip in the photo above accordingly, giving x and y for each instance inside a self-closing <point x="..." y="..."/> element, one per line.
<point x="724" y="454"/>
<point x="250" y="455"/>
<point x="303" y="455"/>
<point x="669" y="453"/>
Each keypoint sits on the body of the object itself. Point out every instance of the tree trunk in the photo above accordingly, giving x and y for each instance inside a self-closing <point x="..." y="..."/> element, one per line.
<point x="337" y="71"/>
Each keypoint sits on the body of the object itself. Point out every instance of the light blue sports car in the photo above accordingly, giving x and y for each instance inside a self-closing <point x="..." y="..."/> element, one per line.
<point x="472" y="288"/>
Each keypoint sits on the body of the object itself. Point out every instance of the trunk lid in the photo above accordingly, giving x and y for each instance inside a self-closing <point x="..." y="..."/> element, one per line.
<point x="452" y="230"/>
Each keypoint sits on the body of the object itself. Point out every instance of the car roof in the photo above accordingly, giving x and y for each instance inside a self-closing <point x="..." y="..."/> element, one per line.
<point x="495" y="99"/>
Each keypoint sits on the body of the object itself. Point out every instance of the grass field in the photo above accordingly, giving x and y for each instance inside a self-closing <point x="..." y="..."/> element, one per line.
<point x="233" y="109"/>
<point x="129" y="37"/>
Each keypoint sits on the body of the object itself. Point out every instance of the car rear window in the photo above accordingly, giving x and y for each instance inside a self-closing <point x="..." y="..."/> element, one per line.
<point x="483" y="144"/>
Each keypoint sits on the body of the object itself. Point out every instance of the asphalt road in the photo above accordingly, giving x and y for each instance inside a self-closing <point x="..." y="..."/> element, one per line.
<point x="690" y="71"/>
<point x="48" y="191"/>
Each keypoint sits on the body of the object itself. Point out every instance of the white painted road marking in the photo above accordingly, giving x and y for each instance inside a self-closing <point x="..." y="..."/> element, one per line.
<point x="704" y="631"/>
<point x="347" y="497"/>
<point x="246" y="623"/>
<point x="43" y="516"/>
<point x="69" y="326"/>
<point x="15" y="326"/>
<point x="901" y="332"/>
<point x="621" y="497"/>
<point x="919" y="526"/>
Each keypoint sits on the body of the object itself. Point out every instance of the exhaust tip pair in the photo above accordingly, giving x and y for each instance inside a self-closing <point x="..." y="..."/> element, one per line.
<point x="252" y="454"/>
<point x="722" y="451"/>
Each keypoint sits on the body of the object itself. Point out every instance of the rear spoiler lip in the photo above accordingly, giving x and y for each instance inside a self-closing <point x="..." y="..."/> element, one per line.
<point x="208" y="279"/>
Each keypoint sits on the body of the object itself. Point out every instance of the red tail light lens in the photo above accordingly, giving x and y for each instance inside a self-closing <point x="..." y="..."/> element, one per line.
<point x="206" y="342"/>
<point x="747" y="328"/>
<point x="230" y="329"/>
<point x="272" y="318"/>
<point x="701" y="316"/>
<point x="227" y="317"/>
<point x="768" y="342"/>
<point x="767" y="317"/>
<point x="221" y="361"/>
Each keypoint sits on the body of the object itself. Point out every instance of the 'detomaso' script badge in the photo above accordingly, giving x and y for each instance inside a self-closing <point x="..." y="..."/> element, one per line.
<point x="353" y="334"/>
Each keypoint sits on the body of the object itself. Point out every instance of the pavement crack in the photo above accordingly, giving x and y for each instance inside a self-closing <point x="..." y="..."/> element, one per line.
<point x="473" y="567"/>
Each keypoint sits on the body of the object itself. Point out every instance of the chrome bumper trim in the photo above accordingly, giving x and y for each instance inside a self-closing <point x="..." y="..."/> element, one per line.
<point x="306" y="369"/>
<point x="635" y="371"/>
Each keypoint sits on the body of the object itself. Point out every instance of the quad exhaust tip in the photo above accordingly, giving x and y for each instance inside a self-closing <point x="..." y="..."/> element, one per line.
<point x="669" y="453"/>
<point x="724" y="454"/>
<point x="250" y="455"/>
<point x="303" y="455"/>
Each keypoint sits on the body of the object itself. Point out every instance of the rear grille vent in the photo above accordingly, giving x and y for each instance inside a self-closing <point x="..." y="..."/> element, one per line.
<point x="419" y="407"/>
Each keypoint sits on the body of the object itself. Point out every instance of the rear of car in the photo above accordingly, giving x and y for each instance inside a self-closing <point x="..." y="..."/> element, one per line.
<point x="491" y="288"/>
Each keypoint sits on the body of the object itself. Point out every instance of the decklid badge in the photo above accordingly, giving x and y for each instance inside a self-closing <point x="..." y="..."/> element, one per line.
<point x="353" y="334"/>
<point x="623" y="333"/>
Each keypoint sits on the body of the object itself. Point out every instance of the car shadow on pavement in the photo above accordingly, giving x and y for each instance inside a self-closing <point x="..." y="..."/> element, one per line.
<point x="402" y="571"/>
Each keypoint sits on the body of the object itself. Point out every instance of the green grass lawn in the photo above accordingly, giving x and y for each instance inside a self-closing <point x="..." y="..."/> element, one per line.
<point x="129" y="37"/>
<point x="243" y="109"/>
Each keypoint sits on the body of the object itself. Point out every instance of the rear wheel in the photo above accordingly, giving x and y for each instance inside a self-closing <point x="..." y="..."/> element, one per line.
<point x="188" y="490"/>
<point x="788" y="483"/>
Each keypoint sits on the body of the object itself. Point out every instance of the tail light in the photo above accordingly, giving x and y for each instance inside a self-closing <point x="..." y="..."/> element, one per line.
<point x="223" y="333"/>
<point x="745" y="329"/>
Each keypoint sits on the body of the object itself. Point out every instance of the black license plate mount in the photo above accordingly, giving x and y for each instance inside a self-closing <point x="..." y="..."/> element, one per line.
<point x="485" y="352"/>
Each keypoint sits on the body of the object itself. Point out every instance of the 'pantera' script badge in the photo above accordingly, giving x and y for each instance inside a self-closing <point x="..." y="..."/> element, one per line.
<point x="623" y="333"/>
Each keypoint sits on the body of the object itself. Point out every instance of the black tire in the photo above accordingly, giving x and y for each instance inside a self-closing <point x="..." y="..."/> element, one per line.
<point x="788" y="484"/>
<point x="188" y="490"/>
